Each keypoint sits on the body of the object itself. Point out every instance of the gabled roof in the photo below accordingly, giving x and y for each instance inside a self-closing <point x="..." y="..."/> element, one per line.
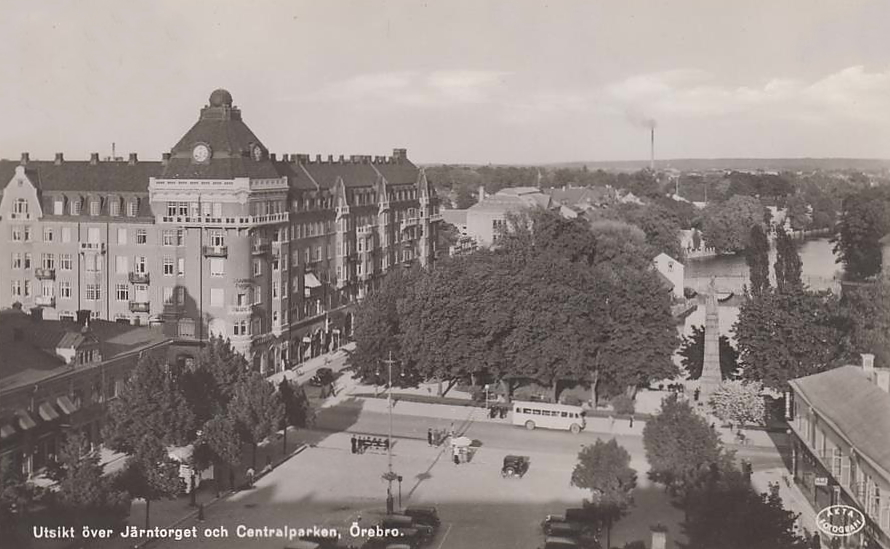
<point x="856" y="406"/>
<point x="84" y="176"/>
<point x="354" y="174"/>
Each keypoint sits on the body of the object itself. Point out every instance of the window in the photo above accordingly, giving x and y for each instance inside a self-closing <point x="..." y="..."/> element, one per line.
<point x="274" y="290"/>
<point x="114" y="207"/>
<point x="48" y="234"/>
<point x="182" y="208"/>
<point x="94" y="235"/>
<point x="122" y="236"/>
<point x="66" y="234"/>
<point x="65" y="290"/>
<point x="239" y="328"/>
<point x="274" y="317"/>
<point x="180" y="266"/>
<point x="16" y="260"/>
<point x="217" y="266"/>
<point x="58" y="207"/>
<point x="74" y="207"/>
<point x="217" y="238"/>
<point x="171" y="209"/>
<point x="141" y="236"/>
<point x="168" y="266"/>
<point x="217" y="297"/>
<point x="94" y="207"/>
<point x="180" y="237"/>
<point x="65" y="262"/>
<point x="217" y="209"/>
<point x="205" y="209"/>
<point x="140" y="265"/>
<point x="20" y="206"/>
<point x="168" y="238"/>
<point x="121" y="264"/>
<point x="27" y="262"/>
<point x="257" y="267"/>
<point x="168" y="295"/>
<point x="122" y="292"/>
<point x="180" y="295"/>
<point x="27" y="288"/>
<point x="48" y="261"/>
<point x="306" y="253"/>
<point x="94" y="292"/>
<point x="92" y="263"/>
<point x="17" y="233"/>
<point x="140" y="292"/>
<point x="132" y="208"/>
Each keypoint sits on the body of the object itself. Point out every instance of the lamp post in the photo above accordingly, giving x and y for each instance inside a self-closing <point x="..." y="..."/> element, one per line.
<point x="390" y="476"/>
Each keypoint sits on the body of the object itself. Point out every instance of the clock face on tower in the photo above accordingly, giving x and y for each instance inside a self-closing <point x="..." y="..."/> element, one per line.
<point x="201" y="153"/>
<point x="257" y="153"/>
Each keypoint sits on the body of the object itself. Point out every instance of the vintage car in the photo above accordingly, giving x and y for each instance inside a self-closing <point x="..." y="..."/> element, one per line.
<point x="423" y="515"/>
<point x="515" y="466"/>
<point x="405" y="523"/>
<point x="323" y="376"/>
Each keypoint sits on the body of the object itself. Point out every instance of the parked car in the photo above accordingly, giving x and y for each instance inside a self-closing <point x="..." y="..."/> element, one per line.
<point x="404" y="523"/>
<point x="556" y="525"/>
<point x="553" y="542"/>
<point x="323" y="376"/>
<point x="423" y="515"/>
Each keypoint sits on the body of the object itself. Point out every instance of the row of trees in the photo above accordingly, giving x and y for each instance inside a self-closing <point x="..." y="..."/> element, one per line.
<point x="566" y="301"/>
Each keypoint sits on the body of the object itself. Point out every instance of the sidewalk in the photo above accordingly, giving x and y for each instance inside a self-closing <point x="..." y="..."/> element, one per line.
<point x="792" y="498"/>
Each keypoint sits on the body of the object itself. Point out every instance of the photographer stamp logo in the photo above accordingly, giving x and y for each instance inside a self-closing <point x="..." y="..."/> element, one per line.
<point x="840" y="520"/>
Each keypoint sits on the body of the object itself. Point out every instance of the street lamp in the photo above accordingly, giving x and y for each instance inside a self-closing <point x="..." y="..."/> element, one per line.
<point x="390" y="476"/>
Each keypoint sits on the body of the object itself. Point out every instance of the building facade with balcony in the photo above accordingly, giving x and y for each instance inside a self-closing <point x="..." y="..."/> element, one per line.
<point x="840" y="421"/>
<point x="221" y="237"/>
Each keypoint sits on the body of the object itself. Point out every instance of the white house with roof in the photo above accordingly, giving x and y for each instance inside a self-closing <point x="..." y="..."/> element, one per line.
<point x="673" y="271"/>
<point x="488" y="218"/>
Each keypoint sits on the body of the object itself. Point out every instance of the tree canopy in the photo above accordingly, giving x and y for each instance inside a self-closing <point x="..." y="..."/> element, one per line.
<point x="757" y="259"/>
<point x="256" y="409"/>
<point x="150" y="473"/>
<point x="864" y="220"/>
<point x="727" y="225"/>
<point x="788" y="265"/>
<point x="692" y="353"/>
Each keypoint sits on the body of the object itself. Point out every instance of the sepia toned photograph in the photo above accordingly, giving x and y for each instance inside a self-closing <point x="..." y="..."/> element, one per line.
<point x="445" y="274"/>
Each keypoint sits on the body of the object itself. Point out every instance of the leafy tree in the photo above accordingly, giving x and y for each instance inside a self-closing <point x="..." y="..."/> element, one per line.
<point x="788" y="265"/>
<point x="209" y="384"/>
<point x="218" y="445"/>
<point x="866" y="307"/>
<point x="722" y="513"/>
<point x="680" y="446"/>
<point x="692" y="353"/>
<point x="604" y="469"/>
<point x="378" y="324"/>
<point x="84" y="495"/>
<point x="739" y="402"/>
<point x="150" y="474"/>
<point x="661" y="226"/>
<point x="865" y="218"/>
<point x="696" y="239"/>
<point x="790" y="334"/>
<point x="17" y="498"/>
<point x="151" y="405"/>
<point x="256" y="410"/>
<point x="727" y="226"/>
<point x="297" y="407"/>
<point x="798" y="213"/>
<point x="757" y="258"/>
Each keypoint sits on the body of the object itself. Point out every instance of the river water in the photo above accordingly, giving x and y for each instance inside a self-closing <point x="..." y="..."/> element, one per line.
<point x="819" y="272"/>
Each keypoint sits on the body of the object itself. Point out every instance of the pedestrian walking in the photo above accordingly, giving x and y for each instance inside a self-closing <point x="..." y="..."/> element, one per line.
<point x="456" y="452"/>
<point x="696" y="394"/>
<point x="250" y="475"/>
<point x="631" y="421"/>
<point x="429" y="437"/>
<point x="611" y="422"/>
<point x="354" y="445"/>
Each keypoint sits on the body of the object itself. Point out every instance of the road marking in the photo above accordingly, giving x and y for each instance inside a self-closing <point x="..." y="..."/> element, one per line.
<point x="450" y="524"/>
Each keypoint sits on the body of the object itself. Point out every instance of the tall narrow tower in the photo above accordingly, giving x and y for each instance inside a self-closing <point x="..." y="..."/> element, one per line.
<point x="711" y="375"/>
<point x="652" y="148"/>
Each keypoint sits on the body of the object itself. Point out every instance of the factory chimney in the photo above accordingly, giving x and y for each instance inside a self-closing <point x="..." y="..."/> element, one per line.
<point x="652" y="148"/>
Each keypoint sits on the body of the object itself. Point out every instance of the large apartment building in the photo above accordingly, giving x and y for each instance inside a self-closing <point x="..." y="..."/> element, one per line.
<point x="221" y="237"/>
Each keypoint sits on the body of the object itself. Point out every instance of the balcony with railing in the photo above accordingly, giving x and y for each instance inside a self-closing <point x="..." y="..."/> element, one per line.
<point x="45" y="301"/>
<point x="408" y="223"/>
<point x="241" y="309"/>
<point x="242" y="221"/>
<point x="98" y="247"/>
<point x="43" y="273"/>
<point x="216" y="251"/>
<point x="260" y="247"/>
<point x="366" y="230"/>
<point x="435" y="218"/>
<point x="139" y="307"/>
<point x="139" y="278"/>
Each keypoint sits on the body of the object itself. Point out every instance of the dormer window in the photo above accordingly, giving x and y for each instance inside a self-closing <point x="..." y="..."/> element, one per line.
<point x="94" y="208"/>
<point x="132" y="207"/>
<point x="75" y="207"/>
<point x="114" y="207"/>
<point x="58" y="207"/>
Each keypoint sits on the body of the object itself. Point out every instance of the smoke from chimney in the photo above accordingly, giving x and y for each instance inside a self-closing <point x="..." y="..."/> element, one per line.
<point x="652" y="148"/>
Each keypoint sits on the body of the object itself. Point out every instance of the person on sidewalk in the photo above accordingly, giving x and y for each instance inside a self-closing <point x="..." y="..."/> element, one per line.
<point x="631" y="421"/>
<point x="611" y="422"/>
<point x="354" y="445"/>
<point x="429" y="437"/>
<point x="250" y="475"/>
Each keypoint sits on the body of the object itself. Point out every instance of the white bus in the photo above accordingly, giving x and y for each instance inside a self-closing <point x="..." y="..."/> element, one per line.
<point x="549" y="416"/>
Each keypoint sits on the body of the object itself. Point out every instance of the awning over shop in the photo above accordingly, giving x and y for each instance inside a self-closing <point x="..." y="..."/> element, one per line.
<point x="25" y="420"/>
<point x="47" y="412"/>
<point x="6" y="431"/>
<point x="311" y="281"/>
<point x="66" y="405"/>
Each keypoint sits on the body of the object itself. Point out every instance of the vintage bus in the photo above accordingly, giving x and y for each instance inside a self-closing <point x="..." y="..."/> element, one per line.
<point x="549" y="416"/>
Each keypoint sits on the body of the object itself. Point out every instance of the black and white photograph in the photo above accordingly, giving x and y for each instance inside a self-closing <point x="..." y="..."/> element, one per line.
<point x="445" y="274"/>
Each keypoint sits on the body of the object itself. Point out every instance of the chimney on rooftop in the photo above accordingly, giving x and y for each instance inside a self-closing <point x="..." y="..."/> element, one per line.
<point x="342" y="159"/>
<point x="165" y="158"/>
<point x="59" y="159"/>
<point x="330" y="159"/>
<point x="133" y="159"/>
<point x="398" y="155"/>
<point x="318" y="158"/>
<point x="273" y="157"/>
<point x="94" y="158"/>
<point x="25" y="159"/>
<point x="868" y="362"/>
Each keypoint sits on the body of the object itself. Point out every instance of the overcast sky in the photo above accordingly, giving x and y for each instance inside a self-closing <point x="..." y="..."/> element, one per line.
<point x="454" y="81"/>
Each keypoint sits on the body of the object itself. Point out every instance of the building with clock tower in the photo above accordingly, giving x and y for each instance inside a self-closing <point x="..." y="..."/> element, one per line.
<point x="219" y="238"/>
